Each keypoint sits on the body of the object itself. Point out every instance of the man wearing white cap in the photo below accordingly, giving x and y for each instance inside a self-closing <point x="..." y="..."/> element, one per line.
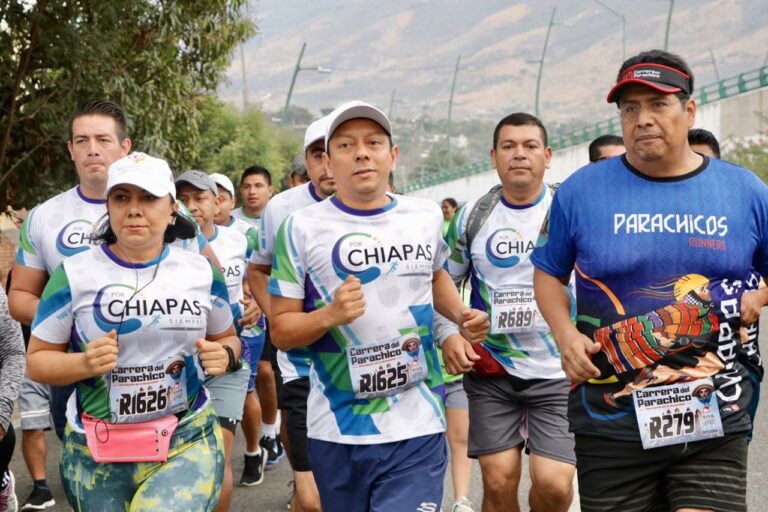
<point x="253" y="336"/>
<point x="294" y="365"/>
<point x="353" y="280"/>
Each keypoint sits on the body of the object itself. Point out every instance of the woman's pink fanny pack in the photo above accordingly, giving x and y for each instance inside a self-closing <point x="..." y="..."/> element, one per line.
<point x="147" y="441"/>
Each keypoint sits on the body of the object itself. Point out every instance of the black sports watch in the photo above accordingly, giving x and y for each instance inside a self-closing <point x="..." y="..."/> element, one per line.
<point x="234" y="364"/>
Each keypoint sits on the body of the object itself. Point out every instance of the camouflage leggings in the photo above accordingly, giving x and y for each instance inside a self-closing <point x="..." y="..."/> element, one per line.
<point x="189" y="480"/>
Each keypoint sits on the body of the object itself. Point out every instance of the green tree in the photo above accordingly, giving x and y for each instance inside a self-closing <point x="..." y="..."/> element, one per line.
<point x="233" y="140"/>
<point x="752" y="155"/>
<point x="156" y="58"/>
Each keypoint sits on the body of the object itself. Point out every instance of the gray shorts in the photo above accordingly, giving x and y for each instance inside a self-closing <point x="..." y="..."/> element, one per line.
<point x="505" y="412"/>
<point x="455" y="396"/>
<point x="34" y="405"/>
<point x="228" y="393"/>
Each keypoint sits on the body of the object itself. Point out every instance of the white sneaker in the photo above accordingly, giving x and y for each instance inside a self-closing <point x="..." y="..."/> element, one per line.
<point x="463" y="505"/>
<point x="8" y="501"/>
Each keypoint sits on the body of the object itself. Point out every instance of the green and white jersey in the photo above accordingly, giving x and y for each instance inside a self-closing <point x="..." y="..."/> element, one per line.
<point x="59" y="228"/>
<point x="252" y="236"/>
<point x="377" y="379"/>
<point x="231" y="249"/>
<point x="250" y="232"/>
<point x="240" y="213"/>
<point x="159" y="309"/>
<point x="294" y="363"/>
<point x="65" y="225"/>
<point x="501" y="276"/>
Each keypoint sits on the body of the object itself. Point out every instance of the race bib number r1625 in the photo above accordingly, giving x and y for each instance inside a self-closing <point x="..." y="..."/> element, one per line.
<point x="386" y="368"/>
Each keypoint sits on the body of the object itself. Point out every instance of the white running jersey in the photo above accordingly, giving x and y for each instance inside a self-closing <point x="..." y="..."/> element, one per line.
<point x="59" y="228"/>
<point x="295" y="363"/>
<point x="231" y="249"/>
<point x="159" y="309"/>
<point x="250" y="232"/>
<point x="277" y="210"/>
<point x="252" y="236"/>
<point x="376" y="380"/>
<point x="501" y="275"/>
<point x="239" y="213"/>
<point x="64" y="226"/>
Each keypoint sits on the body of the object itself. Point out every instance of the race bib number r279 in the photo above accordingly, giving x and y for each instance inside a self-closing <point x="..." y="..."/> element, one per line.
<point x="677" y="413"/>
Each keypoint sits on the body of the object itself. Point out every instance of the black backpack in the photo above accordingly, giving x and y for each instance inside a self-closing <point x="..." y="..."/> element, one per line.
<point x="479" y="215"/>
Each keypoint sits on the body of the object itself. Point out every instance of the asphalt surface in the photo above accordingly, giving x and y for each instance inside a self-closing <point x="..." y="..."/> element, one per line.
<point x="274" y="493"/>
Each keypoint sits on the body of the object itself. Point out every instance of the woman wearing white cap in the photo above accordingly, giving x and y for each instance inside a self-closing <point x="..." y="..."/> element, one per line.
<point x="137" y="324"/>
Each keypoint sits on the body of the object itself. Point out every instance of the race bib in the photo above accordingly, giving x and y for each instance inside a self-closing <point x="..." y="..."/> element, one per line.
<point x="513" y="310"/>
<point x="148" y="391"/>
<point x="677" y="413"/>
<point x="387" y="368"/>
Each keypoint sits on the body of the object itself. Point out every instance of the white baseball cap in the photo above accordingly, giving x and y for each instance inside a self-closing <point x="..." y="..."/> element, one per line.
<point x="147" y="172"/>
<point x="223" y="181"/>
<point x="355" y="110"/>
<point x="315" y="132"/>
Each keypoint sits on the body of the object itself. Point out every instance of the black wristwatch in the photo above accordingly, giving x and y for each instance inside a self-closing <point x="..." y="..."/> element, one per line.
<point x="234" y="364"/>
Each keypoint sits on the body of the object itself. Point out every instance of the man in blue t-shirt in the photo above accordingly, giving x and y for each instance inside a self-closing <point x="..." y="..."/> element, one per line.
<point x="664" y="242"/>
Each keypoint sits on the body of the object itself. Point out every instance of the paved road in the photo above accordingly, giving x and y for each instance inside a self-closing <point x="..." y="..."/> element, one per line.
<point x="274" y="493"/>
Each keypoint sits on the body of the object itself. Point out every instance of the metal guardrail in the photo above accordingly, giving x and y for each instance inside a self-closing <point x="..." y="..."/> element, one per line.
<point x="726" y="88"/>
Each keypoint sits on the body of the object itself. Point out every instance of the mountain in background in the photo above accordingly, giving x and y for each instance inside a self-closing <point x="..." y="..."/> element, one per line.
<point x="411" y="47"/>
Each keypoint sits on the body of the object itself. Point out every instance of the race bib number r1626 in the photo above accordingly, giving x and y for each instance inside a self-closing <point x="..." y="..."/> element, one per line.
<point x="148" y="391"/>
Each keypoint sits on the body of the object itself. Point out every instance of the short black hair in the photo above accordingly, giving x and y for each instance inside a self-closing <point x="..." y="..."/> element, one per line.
<point x="664" y="58"/>
<point x="451" y="201"/>
<point x="520" y="119"/>
<point x="98" y="107"/>
<point x="603" y="140"/>
<point x="259" y="171"/>
<point x="704" y="137"/>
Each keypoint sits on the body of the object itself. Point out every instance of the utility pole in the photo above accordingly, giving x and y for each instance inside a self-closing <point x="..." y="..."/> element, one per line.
<point x="541" y="62"/>
<point x="391" y="103"/>
<point x="623" y="28"/>
<point x="669" y="24"/>
<point x="450" y="110"/>
<point x="296" y="70"/>
<point x="245" y="81"/>
<point x="714" y="64"/>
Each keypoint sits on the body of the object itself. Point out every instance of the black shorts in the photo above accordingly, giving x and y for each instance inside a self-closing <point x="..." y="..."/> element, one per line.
<point x="293" y="402"/>
<point x="268" y="353"/>
<point x="621" y="475"/>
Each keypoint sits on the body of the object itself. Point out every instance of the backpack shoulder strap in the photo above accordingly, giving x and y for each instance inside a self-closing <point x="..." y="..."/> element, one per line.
<point x="478" y="216"/>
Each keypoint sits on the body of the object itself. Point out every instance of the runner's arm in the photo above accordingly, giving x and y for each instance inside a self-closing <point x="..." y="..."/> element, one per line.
<point x="27" y="285"/>
<point x="50" y="363"/>
<point x="258" y="280"/>
<point x="292" y="327"/>
<point x="12" y="362"/>
<point x="751" y="303"/>
<point x="555" y="305"/>
<point x="473" y="324"/>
